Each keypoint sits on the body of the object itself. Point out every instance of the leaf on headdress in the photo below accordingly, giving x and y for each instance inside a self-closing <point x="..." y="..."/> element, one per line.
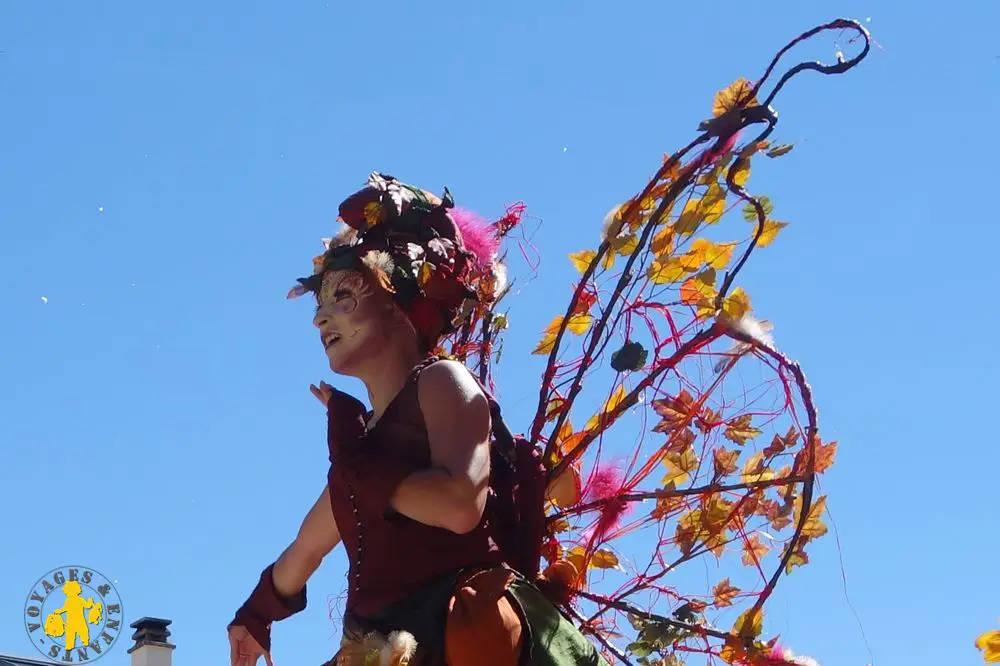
<point x="373" y="213"/>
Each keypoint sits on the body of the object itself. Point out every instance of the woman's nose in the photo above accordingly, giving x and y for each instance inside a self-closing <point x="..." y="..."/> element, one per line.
<point x="320" y="319"/>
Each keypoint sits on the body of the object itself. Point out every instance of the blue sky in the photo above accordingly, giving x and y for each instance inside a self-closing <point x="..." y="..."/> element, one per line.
<point x="169" y="167"/>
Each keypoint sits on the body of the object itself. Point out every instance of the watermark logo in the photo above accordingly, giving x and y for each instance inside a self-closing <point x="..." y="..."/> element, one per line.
<point x="73" y="615"/>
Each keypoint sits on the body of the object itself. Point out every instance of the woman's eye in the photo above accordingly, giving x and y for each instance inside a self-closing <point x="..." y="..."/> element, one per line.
<point x="341" y="293"/>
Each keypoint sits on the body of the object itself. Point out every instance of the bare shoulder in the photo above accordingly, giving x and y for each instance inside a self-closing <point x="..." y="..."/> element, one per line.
<point x="448" y="385"/>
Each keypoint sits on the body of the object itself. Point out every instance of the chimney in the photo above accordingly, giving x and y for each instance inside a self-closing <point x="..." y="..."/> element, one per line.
<point x="151" y="646"/>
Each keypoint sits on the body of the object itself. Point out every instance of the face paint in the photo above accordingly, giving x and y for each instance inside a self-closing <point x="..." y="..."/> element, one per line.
<point x="351" y="318"/>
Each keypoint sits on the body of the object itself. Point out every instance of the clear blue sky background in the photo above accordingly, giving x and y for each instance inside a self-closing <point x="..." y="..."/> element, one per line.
<point x="168" y="168"/>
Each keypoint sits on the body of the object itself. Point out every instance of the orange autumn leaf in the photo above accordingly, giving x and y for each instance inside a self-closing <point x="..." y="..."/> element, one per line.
<point x="825" y="455"/>
<point x="725" y="461"/>
<point x="699" y="288"/>
<point x="724" y="593"/>
<point x="663" y="242"/>
<point x="736" y="94"/>
<point x="754" y="550"/>
<point x="779" y="443"/>
<point x="675" y="411"/>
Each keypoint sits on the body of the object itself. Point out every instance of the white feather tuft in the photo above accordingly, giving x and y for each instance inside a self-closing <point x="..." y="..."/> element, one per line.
<point x="379" y="260"/>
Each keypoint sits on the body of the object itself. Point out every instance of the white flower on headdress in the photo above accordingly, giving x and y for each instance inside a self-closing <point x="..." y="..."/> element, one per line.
<point x="379" y="260"/>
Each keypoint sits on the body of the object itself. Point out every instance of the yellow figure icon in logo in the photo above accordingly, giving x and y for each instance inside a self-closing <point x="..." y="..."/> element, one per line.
<point x="74" y="625"/>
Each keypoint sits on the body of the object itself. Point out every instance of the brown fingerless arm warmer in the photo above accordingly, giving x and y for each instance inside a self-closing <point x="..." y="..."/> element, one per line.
<point x="267" y="605"/>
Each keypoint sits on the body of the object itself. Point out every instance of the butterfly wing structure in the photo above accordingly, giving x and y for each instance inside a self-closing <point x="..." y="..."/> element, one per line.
<point x="671" y="428"/>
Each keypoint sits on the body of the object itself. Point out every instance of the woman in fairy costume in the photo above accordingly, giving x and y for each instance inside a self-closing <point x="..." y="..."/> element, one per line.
<point x="415" y="491"/>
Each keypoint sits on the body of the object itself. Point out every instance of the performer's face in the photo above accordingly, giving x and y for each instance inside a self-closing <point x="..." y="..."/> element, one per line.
<point x="356" y="319"/>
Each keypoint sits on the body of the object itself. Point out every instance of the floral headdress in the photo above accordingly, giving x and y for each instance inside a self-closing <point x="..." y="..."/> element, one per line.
<point x="431" y="257"/>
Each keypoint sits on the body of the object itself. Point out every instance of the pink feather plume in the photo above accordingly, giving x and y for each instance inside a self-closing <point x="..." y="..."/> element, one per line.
<point x="477" y="234"/>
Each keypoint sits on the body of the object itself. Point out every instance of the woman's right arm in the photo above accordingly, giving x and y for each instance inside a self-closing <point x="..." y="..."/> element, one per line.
<point x="317" y="536"/>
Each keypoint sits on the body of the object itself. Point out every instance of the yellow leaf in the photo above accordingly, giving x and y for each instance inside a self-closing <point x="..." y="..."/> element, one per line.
<point x="554" y="408"/>
<point x="612" y="404"/>
<point x="609" y="261"/>
<point x="814" y="526"/>
<point x="581" y="260"/>
<point x="742" y="172"/>
<point x="750" y="624"/>
<point x="679" y="466"/>
<point x="736" y="304"/>
<point x="713" y="206"/>
<point x="797" y="559"/>
<point x="663" y="242"/>
<point x="689" y="218"/>
<point x="625" y="245"/>
<point x="578" y="323"/>
<point x="668" y="271"/>
<point x="735" y="94"/>
<point x="576" y="557"/>
<point x="604" y="559"/>
<point x="564" y="490"/>
<point x="719" y="255"/>
<point x="771" y="229"/>
<point x="989" y="645"/>
<point x="739" y="430"/>
<point x="754" y="470"/>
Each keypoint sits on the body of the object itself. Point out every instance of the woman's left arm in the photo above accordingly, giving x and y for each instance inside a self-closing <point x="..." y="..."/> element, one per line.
<point x="452" y="494"/>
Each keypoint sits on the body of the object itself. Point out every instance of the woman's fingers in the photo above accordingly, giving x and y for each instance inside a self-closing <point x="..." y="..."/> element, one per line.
<point x="267" y="659"/>
<point x="234" y="651"/>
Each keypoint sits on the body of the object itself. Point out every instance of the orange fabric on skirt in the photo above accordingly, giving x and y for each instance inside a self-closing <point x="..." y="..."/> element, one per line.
<point x="483" y="628"/>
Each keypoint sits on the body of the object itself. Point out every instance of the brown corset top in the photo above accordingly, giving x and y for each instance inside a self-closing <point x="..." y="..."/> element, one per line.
<point x="392" y="556"/>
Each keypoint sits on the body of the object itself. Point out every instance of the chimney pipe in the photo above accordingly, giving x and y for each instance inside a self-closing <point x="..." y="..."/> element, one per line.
<point x="151" y="646"/>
